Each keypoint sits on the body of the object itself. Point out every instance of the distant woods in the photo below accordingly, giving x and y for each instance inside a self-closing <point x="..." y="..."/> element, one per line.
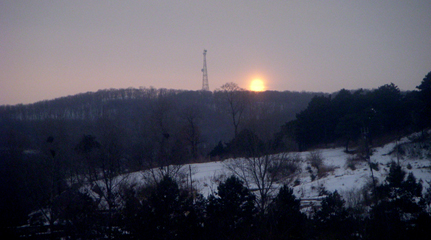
<point x="162" y="126"/>
<point x="165" y="121"/>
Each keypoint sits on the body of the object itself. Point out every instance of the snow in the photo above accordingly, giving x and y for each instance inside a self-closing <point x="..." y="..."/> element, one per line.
<point x="207" y="176"/>
<point x="342" y="179"/>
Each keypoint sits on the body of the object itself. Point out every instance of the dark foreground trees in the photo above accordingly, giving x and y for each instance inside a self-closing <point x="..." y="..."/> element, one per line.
<point x="284" y="219"/>
<point x="230" y="212"/>
<point x="168" y="210"/>
<point x="398" y="213"/>
<point x="165" y="212"/>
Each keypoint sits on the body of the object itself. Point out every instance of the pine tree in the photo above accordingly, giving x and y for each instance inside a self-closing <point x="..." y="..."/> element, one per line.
<point x="332" y="221"/>
<point x="167" y="212"/>
<point x="285" y="218"/>
<point x="396" y="214"/>
<point x="231" y="211"/>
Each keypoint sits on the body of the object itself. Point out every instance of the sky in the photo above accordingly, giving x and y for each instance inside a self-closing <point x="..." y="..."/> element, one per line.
<point x="50" y="49"/>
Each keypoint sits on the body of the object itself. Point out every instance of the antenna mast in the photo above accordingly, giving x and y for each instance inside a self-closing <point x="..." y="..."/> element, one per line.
<point x="205" y="86"/>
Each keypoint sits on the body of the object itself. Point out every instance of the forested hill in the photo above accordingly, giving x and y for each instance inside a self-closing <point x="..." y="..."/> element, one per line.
<point x="222" y="123"/>
<point x="145" y="114"/>
<point x="92" y="105"/>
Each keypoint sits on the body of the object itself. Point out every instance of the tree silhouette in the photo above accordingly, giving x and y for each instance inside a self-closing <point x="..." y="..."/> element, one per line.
<point x="425" y="97"/>
<point x="396" y="213"/>
<point x="285" y="218"/>
<point x="165" y="212"/>
<point x="233" y="100"/>
<point x="332" y="220"/>
<point x="230" y="212"/>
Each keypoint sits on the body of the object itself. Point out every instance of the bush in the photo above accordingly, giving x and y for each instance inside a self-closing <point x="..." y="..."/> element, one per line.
<point x="351" y="161"/>
<point x="313" y="177"/>
<point x="324" y="170"/>
<point x="291" y="164"/>
<point x="409" y="166"/>
<point x="416" y="150"/>
<point x="374" y="166"/>
<point x="351" y="165"/>
<point x="315" y="159"/>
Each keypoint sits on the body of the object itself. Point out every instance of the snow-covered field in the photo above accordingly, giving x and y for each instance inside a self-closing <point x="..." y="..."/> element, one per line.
<point x="206" y="176"/>
<point x="342" y="178"/>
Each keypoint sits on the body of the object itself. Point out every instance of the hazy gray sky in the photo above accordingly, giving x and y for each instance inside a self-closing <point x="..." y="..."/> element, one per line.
<point x="50" y="49"/>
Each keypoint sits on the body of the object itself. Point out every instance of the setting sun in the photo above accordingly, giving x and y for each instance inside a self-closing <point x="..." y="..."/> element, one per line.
<point x="257" y="85"/>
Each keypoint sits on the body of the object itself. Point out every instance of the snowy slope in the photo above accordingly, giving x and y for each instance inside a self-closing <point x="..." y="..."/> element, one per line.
<point x="342" y="178"/>
<point x="206" y="176"/>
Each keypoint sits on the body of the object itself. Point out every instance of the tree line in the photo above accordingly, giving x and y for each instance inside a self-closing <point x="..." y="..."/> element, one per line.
<point x="198" y="119"/>
<point x="383" y="112"/>
<point x="167" y="209"/>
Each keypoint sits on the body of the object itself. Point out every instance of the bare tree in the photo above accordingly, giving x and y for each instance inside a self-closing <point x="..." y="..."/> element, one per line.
<point x="45" y="179"/>
<point x="164" y="132"/>
<point x="104" y="161"/>
<point x="43" y="186"/>
<point x="233" y="100"/>
<point x="190" y="130"/>
<point x="260" y="116"/>
<point x="263" y="173"/>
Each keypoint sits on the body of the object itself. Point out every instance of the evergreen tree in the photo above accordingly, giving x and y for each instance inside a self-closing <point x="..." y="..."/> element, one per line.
<point x="348" y="128"/>
<point x="231" y="211"/>
<point x="316" y="124"/>
<point x="425" y="97"/>
<point x="285" y="219"/>
<point x="332" y="221"/>
<point x="167" y="212"/>
<point x="386" y="101"/>
<point x="396" y="214"/>
<point x="218" y="150"/>
<point x="246" y="144"/>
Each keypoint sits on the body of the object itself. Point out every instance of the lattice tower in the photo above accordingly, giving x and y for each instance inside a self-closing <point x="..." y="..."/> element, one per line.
<point x="205" y="86"/>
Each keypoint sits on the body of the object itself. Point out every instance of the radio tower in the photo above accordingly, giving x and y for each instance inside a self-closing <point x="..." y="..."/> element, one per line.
<point x="205" y="86"/>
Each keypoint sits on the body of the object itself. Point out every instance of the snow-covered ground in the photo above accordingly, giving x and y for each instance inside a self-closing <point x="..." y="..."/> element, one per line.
<point x="206" y="176"/>
<point x="342" y="178"/>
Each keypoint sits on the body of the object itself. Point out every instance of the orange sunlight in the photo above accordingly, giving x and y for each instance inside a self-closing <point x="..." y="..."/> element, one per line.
<point x="257" y="85"/>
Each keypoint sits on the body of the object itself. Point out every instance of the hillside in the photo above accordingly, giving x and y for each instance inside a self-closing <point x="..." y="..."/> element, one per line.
<point x="145" y="112"/>
<point x="97" y="160"/>
<point x="337" y="176"/>
<point x="147" y="207"/>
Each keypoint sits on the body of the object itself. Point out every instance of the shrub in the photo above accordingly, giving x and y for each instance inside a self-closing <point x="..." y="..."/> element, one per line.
<point x="290" y="164"/>
<point x="315" y="159"/>
<point x="351" y="162"/>
<point x="324" y="170"/>
<point x="409" y="166"/>
<point x="351" y="165"/>
<point x="313" y="177"/>
<point x="374" y="166"/>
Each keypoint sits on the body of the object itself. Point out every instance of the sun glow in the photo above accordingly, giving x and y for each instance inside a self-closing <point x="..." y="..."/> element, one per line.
<point x="257" y="85"/>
